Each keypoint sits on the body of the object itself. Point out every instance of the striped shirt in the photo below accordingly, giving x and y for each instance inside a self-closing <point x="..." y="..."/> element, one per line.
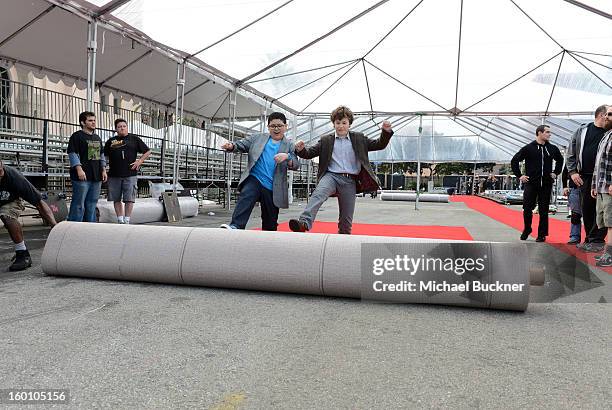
<point x="343" y="158"/>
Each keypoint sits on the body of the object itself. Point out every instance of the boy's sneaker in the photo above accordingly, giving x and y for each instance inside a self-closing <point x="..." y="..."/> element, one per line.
<point x="226" y="226"/>
<point x="604" y="260"/>
<point x="22" y="260"/>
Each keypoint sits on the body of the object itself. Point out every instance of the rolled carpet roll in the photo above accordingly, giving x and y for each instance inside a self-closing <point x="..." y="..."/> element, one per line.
<point x="147" y="210"/>
<point x="411" y="197"/>
<point x="316" y="264"/>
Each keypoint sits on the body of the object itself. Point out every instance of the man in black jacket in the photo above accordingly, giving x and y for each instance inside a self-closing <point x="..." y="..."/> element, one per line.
<point x="538" y="179"/>
<point x="580" y="162"/>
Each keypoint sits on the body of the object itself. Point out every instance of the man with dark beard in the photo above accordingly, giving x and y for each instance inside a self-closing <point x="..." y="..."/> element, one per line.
<point x="580" y="160"/>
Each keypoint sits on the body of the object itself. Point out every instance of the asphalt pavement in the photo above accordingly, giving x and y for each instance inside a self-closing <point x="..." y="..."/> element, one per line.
<point x="139" y="345"/>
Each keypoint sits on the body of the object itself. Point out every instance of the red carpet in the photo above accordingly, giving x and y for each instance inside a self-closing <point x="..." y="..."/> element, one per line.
<point x="558" y="231"/>
<point x="407" y="231"/>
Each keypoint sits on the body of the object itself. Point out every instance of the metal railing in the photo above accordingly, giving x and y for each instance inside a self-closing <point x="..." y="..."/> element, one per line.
<point x="36" y="124"/>
<point x="34" y="102"/>
<point x="38" y="149"/>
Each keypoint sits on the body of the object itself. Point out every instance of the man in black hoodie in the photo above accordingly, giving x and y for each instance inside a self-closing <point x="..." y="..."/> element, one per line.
<point x="538" y="179"/>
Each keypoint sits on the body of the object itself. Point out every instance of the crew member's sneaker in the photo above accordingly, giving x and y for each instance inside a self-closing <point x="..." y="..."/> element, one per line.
<point x="591" y="247"/>
<point x="297" y="225"/>
<point x="604" y="260"/>
<point x="573" y="241"/>
<point x="541" y="239"/>
<point x="226" y="226"/>
<point x="22" y="260"/>
<point x="525" y="234"/>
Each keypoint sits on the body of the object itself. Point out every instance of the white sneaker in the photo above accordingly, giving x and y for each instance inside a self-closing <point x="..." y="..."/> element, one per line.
<point x="226" y="226"/>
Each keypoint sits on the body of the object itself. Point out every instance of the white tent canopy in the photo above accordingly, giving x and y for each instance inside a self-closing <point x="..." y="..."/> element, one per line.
<point x="401" y="56"/>
<point x="485" y="74"/>
<point x="51" y="37"/>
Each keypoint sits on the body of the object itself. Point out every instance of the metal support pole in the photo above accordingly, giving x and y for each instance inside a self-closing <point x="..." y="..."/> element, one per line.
<point x="206" y="174"/>
<point x="477" y="158"/>
<point x="262" y="127"/>
<point x="162" y="162"/>
<point x="391" y="175"/>
<point x="309" y="170"/>
<point x="92" y="36"/>
<point x="207" y="134"/>
<point x="232" y="119"/>
<point x="290" y="176"/>
<point x="474" y="181"/>
<point x="178" y="119"/>
<point x="45" y="153"/>
<point x="197" y="163"/>
<point x="418" y="187"/>
<point x="187" y="154"/>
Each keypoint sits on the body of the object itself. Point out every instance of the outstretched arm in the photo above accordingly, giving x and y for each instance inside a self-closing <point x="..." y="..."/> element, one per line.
<point x="308" y="152"/>
<point x="293" y="162"/>
<point x="382" y="141"/>
<point x="242" y="145"/>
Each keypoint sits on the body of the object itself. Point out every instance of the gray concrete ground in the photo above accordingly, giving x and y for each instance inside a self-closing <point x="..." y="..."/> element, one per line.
<point x="136" y="345"/>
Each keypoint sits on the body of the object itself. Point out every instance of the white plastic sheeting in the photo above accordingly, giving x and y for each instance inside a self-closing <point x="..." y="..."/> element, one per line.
<point x="447" y="139"/>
